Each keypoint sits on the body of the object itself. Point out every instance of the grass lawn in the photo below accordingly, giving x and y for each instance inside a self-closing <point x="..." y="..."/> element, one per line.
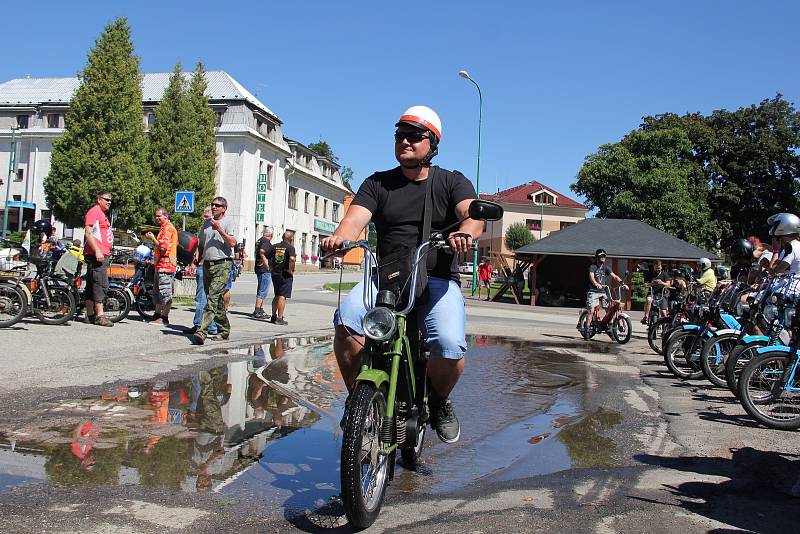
<point x="345" y="286"/>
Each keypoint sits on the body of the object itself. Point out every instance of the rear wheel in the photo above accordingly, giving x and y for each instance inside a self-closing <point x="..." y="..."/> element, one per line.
<point x="655" y="333"/>
<point x="13" y="305"/>
<point x="53" y="305"/>
<point x="621" y="329"/>
<point x="762" y="395"/>
<point x="715" y="352"/>
<point x="364" y="469"/>
<point x="681" y="359"/>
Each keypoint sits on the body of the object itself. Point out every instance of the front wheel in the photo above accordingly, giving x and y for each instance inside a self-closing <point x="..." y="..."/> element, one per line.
<point x="145" y="305"/>
<point x="364" y="467"/>
<point x="713" y="356"/>
<point x="739" y="357"/>
<point x="655" y="334"/>
<point x="621" y="329"/>
<point x="682" y="355"/>
<point x="55" y="307"/>
<point x="585" y="325"/>
<point x="763" y="397"/>
<point x="117" y="304"/>
<point x="13" y="305"/>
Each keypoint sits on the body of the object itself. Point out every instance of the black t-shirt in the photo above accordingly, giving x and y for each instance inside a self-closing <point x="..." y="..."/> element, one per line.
<point x="279" y="260"/>
<point x="265" y="246"/>
<point x="397" y="205"/>
<point x="602" y="274"/>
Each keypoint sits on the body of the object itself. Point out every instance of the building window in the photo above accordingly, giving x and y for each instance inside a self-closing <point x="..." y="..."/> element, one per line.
<point x="307" y="202"/>
<point x="544" y="198"/>
<point x="22" y="121"/>
<point x="533" y="224"/>
<point x="565" y="224"/>
<point x="218" y="121"/>
<point x="53" y="120"/>
<point x="316" y="206"/>
<point x="292" y="202"/>
<point x="335" y="215"/>
<point x="303" y="241"/>
<point x="20" y="175"/>
<point x="151" y="120"/>
<point x="314" y="251"/>
<point x="269" y="177"/>
<point x="325" y="209"/>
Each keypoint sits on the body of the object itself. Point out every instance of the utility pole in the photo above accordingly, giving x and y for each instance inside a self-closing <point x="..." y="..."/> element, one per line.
<point x="12" y="163"/>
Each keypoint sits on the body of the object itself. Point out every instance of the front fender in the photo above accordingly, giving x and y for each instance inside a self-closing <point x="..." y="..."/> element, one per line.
<point x="773" y="348"/>
<point x="723" y="331"/>
<point x="750" y="339"/>
<point x="730" y="321"/>
<point x="376" y="376"/>
<point x="690" y="327"/>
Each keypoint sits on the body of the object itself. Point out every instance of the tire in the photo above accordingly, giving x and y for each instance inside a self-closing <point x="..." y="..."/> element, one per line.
<point x="584" y="327"/>
<point x="714" y="355"/>
<point x="411" y="455"/>
<point x="117" y="304"/>
<point x="655" y="334"/>
<point x="621" y="329"/>
<point x="61" y="307"/>
<point x="737" y="360"/>
<point x="145" y="306"/>
<point x="13" y="305"/>
<point x="363" y="421"/>
<point x="666" y="336"/>
<point x="756" y="394"/>
<point x="676" y="359"/>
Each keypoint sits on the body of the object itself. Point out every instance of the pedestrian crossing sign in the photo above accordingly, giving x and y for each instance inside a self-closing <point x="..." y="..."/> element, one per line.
<point x="184" y="201"/>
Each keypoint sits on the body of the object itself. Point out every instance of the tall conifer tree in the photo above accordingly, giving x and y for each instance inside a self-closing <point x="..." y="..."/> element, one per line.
<point x="104" y="145"/>
<point x="203" y="148"/>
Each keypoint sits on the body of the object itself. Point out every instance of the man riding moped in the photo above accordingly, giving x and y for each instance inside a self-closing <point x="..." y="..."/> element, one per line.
<point x="395" y="201"/>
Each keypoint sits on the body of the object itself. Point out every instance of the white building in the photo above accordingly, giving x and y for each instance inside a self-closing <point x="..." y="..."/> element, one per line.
<point x="266" y="178"/>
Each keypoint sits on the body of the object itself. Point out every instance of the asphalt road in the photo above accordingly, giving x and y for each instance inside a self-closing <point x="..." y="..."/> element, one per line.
<point x="560" y="435"/>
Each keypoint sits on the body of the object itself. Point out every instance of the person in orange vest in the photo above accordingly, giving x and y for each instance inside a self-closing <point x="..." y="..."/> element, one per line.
<point x="166" y="264"/>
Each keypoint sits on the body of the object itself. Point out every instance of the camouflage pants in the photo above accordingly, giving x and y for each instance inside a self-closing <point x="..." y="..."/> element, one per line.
<point x="215" y="281"/>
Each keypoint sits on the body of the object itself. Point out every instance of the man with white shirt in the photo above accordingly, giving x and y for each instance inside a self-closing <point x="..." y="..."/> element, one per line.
<point x="786" y="227"/>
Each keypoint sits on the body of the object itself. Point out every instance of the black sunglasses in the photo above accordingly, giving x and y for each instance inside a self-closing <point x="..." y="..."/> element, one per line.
<point x="106" y="199"/>
<point x="412" y="137"/>
<point x="215" y="205"/>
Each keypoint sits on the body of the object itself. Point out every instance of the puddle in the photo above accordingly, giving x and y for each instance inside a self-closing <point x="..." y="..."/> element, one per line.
<point x="266" y="428"/>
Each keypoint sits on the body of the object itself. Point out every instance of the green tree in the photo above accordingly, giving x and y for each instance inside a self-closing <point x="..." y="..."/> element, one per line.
<point x="518" y="235"/>
<point x="649" y="176"/>
<point x="104" y="145"/>
<point x="747" y="159"/>
<point x="183" y="153"/>
<point x="322" y="148"/>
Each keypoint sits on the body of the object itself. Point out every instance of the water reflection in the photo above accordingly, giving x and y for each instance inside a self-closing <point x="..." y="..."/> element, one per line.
<point x="192" y="434"/>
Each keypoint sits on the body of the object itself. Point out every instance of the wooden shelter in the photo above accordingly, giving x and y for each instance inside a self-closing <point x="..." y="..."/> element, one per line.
<point x="565" y="256"/>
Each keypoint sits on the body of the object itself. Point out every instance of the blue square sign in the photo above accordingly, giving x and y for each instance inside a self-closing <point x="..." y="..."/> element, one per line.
<point x="184" y="201"/>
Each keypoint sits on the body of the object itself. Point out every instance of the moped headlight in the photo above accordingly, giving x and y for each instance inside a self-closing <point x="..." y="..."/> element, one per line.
<point x="379" y="324"/>
<point x="770" y="311"/>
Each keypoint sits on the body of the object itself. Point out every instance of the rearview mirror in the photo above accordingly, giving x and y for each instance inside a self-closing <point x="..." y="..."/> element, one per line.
<point x="483" y="210"/>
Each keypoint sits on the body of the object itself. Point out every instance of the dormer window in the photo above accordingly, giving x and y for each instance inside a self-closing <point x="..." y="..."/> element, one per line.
<point x="544" y="198"/>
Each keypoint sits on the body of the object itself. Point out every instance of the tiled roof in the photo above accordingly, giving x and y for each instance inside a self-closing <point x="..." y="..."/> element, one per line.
<point x="34" y="91"/>
<point x="621" y="238"/>
<point x="521" y="195"/>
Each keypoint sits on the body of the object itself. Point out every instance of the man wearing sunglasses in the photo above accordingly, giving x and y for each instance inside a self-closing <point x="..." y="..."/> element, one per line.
<point x="98" y="240"/>
<point x="217" y="240"/>
<point x="395" y="201"/>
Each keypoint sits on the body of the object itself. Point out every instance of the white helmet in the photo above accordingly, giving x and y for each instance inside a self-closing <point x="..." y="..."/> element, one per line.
<point x="784" y="224"/>
<point x="705" y="263"/>
<point x="423" y="117"/>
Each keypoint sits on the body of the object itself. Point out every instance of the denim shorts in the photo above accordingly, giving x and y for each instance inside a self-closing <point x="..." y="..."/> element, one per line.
<point x="264" y="281"/>
<point x="442" y="318"/>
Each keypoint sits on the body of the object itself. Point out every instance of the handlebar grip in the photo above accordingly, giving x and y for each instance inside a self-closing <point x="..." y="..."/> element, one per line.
<point x="347" y="244"/>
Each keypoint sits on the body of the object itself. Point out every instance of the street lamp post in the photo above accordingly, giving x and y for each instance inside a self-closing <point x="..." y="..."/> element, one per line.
<point x="464" y="74"/>
<point x="12" y="159"/>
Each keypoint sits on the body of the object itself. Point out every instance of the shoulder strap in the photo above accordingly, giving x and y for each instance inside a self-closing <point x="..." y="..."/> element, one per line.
<point x="427" y="213"/>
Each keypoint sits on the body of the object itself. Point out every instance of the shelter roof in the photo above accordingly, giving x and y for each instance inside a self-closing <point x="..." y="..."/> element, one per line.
<point x="521" y="194"/>
<point x="620" y="238"/>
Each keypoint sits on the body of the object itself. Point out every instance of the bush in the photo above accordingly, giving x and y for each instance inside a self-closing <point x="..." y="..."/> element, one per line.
<point x="518" y="235"/>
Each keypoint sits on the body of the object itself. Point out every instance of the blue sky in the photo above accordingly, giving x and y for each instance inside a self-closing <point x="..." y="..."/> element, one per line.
<point x="558" y="81"/>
